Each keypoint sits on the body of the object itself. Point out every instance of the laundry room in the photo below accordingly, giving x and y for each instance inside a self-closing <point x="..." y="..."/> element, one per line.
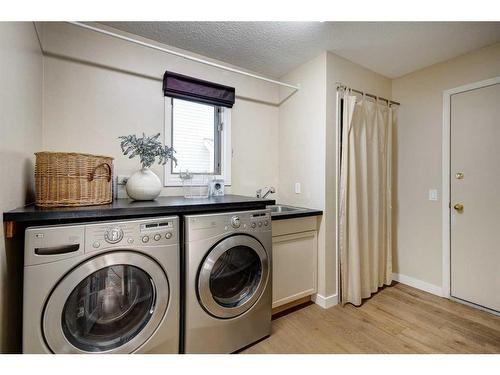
<point x="282" y="184"/>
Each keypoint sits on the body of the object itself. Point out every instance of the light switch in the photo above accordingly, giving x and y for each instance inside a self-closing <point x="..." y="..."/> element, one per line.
<point x="297" y="188"/>
<point x="433" y="195"/>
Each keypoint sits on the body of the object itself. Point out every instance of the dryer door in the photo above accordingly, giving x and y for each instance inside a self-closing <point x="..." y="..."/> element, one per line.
<point x="111" y="303"/>
<point x="233" y="276"/>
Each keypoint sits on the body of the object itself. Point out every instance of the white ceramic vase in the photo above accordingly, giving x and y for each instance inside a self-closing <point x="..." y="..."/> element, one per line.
<point x="143" y="185"/>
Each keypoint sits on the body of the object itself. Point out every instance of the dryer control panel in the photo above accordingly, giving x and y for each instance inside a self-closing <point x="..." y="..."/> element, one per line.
<point x="205" y="226"/>
<point x="260" y="220"/>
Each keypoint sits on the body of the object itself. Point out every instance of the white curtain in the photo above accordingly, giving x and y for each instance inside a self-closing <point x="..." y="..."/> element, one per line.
<point x="365" y="198"/>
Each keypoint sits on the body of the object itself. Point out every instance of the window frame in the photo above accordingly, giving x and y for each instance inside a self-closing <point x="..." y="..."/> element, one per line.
<point x="222" y="143"/>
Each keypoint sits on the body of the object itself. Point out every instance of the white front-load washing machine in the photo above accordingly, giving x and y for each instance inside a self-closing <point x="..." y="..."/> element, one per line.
<point x="104" y="287"/>
<point x="228" y="281"/>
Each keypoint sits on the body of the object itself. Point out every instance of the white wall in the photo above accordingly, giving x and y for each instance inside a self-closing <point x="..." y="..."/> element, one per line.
<point x="21" y="131"/>
<point x="97" y="88"/>
<point x="418" y="220"/>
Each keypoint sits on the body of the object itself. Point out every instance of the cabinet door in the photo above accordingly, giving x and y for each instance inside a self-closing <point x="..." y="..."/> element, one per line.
<point x="294" y="267"/>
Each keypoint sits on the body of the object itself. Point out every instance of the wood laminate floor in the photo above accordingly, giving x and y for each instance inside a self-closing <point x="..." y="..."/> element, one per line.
<point x="398" y="319"/>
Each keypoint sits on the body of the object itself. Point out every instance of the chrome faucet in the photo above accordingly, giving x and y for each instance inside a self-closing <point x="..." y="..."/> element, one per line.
<point x="270" y="190"/>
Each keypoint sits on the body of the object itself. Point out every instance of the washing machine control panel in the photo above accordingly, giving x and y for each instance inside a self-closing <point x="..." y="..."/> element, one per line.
<point x="235" y="221"/>
<point x="113" y="235"/>
<point x="132" y="233"/>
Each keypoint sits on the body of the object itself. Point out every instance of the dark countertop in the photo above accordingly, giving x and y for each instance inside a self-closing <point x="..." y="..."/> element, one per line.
<point x="303" y="212"/>
<point x="123" y="208"/>
<point x="127" y="208"/>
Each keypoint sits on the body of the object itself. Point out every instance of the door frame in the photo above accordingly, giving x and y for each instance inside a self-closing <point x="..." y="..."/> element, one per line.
<point x="446" y="177"/>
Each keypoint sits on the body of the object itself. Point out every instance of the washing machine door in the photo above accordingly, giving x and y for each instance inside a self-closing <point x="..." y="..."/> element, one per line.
<point x="111" y="303"/>
<point x="233" y="276"/>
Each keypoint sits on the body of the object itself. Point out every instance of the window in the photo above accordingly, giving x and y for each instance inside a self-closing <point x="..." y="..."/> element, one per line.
<point x="200" y="135"/>
<point x="196" y="137"/>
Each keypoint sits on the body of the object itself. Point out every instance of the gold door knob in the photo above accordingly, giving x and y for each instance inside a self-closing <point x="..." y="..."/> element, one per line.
<point x="459" y="207"/>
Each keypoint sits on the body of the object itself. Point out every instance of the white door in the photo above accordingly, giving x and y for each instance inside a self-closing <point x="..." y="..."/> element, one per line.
<point x="475" y="196"/>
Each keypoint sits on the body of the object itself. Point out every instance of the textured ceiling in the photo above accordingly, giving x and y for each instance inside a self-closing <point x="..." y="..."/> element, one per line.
<point x="392" y="49"/>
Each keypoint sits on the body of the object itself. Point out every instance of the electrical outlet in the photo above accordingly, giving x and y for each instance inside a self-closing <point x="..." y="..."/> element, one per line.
<point x="122" y="180"/>
<point x="433" y="195"/>
<point x="297" y="188"/>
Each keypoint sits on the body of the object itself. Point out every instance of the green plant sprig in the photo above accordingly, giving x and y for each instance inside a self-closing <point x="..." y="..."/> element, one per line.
<point x="147" y="148"/>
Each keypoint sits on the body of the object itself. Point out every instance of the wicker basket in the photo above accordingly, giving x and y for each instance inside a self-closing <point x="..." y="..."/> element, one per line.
<point x="72" y="179"/>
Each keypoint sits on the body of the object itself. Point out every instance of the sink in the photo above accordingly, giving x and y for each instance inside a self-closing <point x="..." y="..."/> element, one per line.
<point x="280" y="208"/>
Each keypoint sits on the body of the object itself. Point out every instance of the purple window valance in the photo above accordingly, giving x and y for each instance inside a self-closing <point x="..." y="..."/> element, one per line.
<point x="188" y="88"/>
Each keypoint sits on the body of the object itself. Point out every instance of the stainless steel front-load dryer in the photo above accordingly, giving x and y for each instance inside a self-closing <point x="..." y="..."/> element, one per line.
<point x="106" y="287"/>
<point x="228" y="281"/>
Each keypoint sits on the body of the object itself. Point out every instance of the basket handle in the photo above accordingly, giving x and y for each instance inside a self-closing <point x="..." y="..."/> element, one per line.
<point x="91" y="176"/>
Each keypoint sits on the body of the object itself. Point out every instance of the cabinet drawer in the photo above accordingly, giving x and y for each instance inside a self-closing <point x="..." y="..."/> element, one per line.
<point x="296" y="225"/>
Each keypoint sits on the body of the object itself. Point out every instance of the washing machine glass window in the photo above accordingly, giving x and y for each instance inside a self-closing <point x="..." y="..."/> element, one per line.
<point x="109" y="304"/>
<point x="233" y="276"/>
<point x="108" y="308"/>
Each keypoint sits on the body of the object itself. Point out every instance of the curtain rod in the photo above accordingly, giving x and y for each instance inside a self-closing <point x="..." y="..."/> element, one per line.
<point x="343" y="87"/>
<point x="182" y="55"/>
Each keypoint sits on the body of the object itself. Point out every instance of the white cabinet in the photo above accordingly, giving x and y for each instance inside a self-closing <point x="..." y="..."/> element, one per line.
<point x="295" y="259"/>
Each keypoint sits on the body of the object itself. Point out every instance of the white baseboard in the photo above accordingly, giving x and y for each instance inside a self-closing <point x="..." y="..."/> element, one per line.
<point x="418" y="284"/>
<point x="332" y="300"/>
<point x="325" y="302"/>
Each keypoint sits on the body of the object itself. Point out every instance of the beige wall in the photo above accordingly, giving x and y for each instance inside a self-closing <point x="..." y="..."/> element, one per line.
<point x="307" y="145"/>
<point x="302" y="119"/>
<point x="21" y="129"/>
<point x="97" y="88"/>
<point x="302" y="137"/>
<point x="418" y="220"/>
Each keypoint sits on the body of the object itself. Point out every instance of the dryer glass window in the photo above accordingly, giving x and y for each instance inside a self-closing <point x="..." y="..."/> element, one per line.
<point x="235" y="276"/>
<point x="108" y="308"/>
